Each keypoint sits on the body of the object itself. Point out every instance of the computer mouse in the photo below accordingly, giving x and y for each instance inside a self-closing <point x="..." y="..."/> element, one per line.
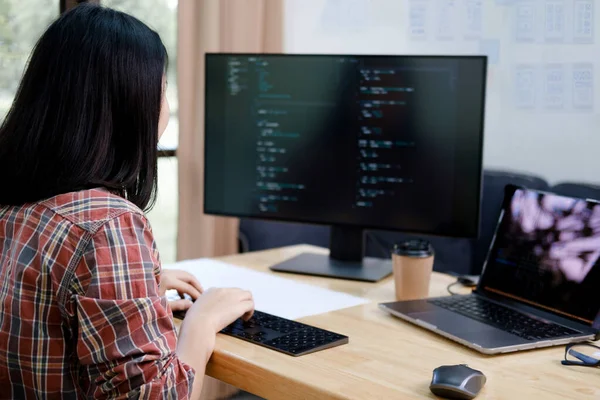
<point x="457" y="382"/>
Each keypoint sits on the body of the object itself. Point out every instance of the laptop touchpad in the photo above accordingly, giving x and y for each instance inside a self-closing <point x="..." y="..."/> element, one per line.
<point x="451" y="322"/>
<point x="468" y="329"/>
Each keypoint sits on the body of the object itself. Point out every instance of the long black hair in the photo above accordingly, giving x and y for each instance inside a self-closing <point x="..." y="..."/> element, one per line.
<point x="86" y="112"/>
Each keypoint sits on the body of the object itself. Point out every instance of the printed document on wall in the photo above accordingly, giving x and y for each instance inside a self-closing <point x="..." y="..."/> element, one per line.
<point x="583" y="21"/>
<point x="418" y="19"/>
<point x="554" y="87"/>
<point x="556" y="19"/>
<point x="525" y="86"/>
<point x="474" y="19"/>
<point x="525" y="21"/>
<point x="583" y="86"/>
<point x="345" y="16"/>
<point x="446" y="20"/>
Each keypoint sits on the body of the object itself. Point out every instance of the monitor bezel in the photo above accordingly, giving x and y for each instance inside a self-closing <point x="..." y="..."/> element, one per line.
<point x="461" y="235"/>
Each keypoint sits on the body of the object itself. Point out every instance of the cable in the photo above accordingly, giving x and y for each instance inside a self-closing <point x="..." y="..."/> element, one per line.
<point x="450" y="286"/>
<point x="466" y="281"/>
<point x="243" y="242"/>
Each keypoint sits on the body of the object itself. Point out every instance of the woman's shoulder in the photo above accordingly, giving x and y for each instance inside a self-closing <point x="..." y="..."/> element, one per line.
<point x="91" y="208"/>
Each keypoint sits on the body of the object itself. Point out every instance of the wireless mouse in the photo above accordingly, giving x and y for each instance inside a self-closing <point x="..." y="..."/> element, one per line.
<point x="457" y="382"/>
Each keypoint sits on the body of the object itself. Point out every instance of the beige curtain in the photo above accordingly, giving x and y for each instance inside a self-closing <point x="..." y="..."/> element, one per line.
<point x="212" y="25"/>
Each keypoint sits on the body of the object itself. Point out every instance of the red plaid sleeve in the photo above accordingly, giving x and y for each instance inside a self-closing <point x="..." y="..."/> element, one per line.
<point x="125" y="338"/>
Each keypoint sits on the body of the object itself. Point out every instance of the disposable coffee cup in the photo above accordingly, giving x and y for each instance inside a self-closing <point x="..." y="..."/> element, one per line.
<point x="412" y="262"/>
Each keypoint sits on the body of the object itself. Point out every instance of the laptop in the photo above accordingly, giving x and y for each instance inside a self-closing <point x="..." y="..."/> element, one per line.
<point x="540" y="282"/>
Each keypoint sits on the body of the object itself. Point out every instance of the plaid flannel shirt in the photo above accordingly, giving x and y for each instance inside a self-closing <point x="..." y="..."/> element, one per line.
<point x="81" y="314"/>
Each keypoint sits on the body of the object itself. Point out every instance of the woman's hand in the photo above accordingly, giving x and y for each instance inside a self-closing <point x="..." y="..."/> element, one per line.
<point x="218" y="308"/>
<point x="184" y="283"/>
<point x="213" y="311"/>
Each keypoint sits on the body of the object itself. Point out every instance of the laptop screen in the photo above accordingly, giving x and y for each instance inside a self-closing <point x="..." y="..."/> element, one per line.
<point x="547" y="253"/>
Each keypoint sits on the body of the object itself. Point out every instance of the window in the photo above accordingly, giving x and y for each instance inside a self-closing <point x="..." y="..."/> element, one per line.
<point x="161" y="15"/>
<point x="21" y="24"/>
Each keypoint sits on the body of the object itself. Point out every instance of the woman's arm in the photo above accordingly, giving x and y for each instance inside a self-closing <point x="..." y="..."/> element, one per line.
<point x="126" y="340"/>
<point x="195" y="350"/>
<point x="125" y="336"/>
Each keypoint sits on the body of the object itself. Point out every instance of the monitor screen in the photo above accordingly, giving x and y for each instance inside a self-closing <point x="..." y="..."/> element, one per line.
<point x="379" y="142"/>
<point x="547" y="254"/>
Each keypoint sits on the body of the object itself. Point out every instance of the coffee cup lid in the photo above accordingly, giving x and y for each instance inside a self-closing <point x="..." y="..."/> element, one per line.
<point x="414" y="248"/>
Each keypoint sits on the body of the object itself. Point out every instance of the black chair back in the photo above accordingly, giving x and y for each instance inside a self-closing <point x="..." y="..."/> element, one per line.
<point x="262" y="235"/>
<point x="581" y="190"/>
<point x="494" y="183"/>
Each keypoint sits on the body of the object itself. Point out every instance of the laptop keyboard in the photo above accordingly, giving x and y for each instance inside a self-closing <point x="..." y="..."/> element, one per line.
<point x="502" y="317"/>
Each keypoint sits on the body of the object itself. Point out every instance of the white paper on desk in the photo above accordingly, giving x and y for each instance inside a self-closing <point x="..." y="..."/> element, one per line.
<point x="272" y="294"/>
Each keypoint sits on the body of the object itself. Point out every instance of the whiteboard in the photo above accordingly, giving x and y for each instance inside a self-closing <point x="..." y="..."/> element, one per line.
<point x="542" y="105"/>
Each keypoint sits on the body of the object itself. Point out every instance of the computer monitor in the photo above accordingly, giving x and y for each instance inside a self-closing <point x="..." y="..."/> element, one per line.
<point x="356" y="142"/>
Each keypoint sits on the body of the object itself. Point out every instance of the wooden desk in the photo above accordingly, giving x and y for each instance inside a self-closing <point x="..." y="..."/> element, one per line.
<point x="386" y="357"/>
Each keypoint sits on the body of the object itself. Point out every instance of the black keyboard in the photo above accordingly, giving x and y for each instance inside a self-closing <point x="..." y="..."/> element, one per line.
<point x="283" y="335"/>
<point x="502" y="317"/>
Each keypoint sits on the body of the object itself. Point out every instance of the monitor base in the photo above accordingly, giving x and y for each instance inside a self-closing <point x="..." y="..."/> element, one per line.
<point x="369" y="270"/>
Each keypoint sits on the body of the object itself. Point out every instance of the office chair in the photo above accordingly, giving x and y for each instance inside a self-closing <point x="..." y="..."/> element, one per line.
<point x="581" y="190"/>
<point x="494" y="183"/>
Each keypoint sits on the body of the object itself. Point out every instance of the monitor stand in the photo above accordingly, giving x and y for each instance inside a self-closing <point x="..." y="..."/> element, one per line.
<point x="345" y="260"/>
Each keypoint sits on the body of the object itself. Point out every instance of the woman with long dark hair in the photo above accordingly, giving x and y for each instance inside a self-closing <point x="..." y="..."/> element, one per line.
<point x="83" y="307"/>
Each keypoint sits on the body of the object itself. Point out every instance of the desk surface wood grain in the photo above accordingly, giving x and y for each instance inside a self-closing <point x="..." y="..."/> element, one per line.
<point x="386" y="357"/>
